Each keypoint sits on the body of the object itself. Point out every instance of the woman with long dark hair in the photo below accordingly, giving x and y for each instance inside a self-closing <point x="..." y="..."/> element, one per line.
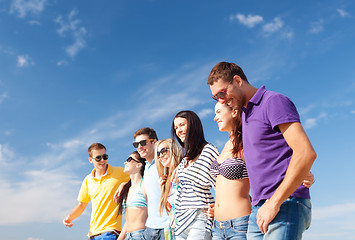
<point x="194" y="178"/>
<point x="133" y="199"/>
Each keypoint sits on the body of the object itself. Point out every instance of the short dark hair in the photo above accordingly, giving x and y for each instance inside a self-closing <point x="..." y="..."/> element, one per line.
<point x="95" y="146"/>
<point x="195" y="138"/>
<point x="225" y="71"/>
<point x="147" y="131"/>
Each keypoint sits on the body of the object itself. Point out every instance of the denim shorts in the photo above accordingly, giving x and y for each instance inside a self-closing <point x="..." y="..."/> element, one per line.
<point x="291" y="221"/>
<point x="135" y="235"/>
<point x="197" y="229"/>
<point x="154" y="234"/>
<point x="234" y="229"/>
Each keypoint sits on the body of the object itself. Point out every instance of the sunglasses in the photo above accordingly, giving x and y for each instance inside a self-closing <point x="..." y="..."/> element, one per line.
<point x="162" y="151"/>
<point x="129" y="159"/>
<point x="221" y="95"/>
<point x="142" y="143"/>
<point x="98" y="158"/>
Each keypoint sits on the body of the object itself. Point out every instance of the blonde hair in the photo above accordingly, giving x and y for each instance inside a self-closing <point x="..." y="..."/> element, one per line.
<point x="176" y="156"/>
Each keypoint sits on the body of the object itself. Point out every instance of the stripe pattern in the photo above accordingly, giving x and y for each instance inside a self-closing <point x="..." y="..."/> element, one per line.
<point x="195" y="184"/>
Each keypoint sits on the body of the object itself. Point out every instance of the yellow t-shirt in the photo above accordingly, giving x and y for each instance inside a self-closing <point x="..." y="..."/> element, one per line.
<point x="104" y="215"/>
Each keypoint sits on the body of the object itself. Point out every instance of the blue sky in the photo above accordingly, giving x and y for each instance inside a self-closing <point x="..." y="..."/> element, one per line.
<point x="77" y="72"/>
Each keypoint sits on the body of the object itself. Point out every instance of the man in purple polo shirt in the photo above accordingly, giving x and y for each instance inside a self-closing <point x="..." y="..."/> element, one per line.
<point x="278" y="154"/>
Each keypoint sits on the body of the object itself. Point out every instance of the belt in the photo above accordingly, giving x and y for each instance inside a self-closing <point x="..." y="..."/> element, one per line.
<point x="116" y="232"/>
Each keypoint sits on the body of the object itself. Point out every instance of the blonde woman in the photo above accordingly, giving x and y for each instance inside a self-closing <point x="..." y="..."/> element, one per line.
<point x="168" y="156"/>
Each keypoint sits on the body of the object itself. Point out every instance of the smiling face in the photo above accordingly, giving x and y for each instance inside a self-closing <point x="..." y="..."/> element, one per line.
<point x="233" y="95"/>
<point x="132" y="165"/>
<point x="224" y="116"/>
<point x="101" y="165"/>
<point x="180" y="126"/>
<point x="146" y="151"/>
<point x="164" y="153"/>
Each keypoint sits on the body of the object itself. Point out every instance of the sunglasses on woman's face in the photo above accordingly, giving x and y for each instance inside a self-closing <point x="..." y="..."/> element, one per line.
<point x="142" y="143"/>
<point x="163" y="151"/>
<point x="131" y="159"/>
<point x="98" y="158"/>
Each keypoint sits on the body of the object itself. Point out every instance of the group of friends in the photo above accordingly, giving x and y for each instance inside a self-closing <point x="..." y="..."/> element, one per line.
<point x="165" y="186"/>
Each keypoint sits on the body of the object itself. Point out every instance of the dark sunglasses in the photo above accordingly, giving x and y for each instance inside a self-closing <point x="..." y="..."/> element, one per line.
<point x="132" y="159"/>
<point x="98" y="158"/>
<point x="221" y="94"/>
<point x="142" y="143"/>
<point x="162" y="151"/>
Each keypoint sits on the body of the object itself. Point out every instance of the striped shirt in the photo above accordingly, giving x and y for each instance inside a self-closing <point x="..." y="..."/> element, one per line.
<point x="194" y="192"/>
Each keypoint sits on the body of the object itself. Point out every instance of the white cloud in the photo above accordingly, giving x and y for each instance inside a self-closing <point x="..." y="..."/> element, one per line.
<point x="3" y="96"/>
<point x="273" y="26"/>
<point x="317" y="27"/>
<point x="312" y="122"/>
<point x="31" y="238"/>
<point x="353" y="111"/>
<point x="343" y="13"/>
<point x="205" y="112"/>
<point x="330" y="212"/>
<point x="23" y="7"/>
<point x="6" y="154"/>
<point x="51" y="178"/>
<point x="249" y="21"/>
<point x="61" y="63"/>
<point x="23" y="61"/>
<point x="71" y="26"/>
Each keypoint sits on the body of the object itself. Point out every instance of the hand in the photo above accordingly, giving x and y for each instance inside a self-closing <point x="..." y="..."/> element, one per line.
<point x="118" y="192"/>
<point x="309" y="180"/>
<point x="266" y="214"/>
<point x="162" y="180"/>
<point x="67" y="222"/>
<point x="210" y="211"/>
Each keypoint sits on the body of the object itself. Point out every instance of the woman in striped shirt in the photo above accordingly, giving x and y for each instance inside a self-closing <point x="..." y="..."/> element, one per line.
<point x="194" y="178"/>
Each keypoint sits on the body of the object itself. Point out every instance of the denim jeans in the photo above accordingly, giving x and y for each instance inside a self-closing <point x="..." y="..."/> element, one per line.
<point x="135" y="235"/>
<point x="291" y="221"/>
<point x="235" y="229"/>
<point x="154" y="234"/>
<point x="197" y="229"/>
<point x="105" y="236"/>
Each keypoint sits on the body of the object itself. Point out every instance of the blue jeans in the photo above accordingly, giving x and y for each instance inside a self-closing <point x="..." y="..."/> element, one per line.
<point x="154" y="234"/>
<point x="291" y="221"/>
<point x="197" y="229"/>
<point x="135" y="235"/>
<point x="105" y="236"/>
<point x="235" y="229"/>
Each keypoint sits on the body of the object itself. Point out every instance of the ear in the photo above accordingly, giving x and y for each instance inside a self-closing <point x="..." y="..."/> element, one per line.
<point x="90" y="160"/>
<point x="234" y="113"/>
<point x="237" y="80"/>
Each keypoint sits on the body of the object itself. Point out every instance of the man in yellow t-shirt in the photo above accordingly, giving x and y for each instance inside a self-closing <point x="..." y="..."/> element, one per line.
<point x="99" y="187"/>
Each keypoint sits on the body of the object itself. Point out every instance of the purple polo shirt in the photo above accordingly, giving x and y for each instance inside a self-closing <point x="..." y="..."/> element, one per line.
<point x="267" y="154"/>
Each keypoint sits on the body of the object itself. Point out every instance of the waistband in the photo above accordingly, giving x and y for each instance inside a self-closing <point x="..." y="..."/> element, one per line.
<point x="116" y="232"/>
<point x="231" y="223"/>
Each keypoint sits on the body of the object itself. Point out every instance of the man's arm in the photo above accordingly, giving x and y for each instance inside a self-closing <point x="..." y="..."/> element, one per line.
<point x="301" y="162"/>
<point x="76" y="212"/>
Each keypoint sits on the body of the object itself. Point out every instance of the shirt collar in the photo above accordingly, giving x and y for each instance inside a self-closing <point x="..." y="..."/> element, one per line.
<point x="108" y="171"/>
<point x="255" y="100"/>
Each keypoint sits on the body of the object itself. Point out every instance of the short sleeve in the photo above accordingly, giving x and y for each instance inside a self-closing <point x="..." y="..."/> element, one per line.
<point x="84" y="193"/>
<point x="280" y="109"/>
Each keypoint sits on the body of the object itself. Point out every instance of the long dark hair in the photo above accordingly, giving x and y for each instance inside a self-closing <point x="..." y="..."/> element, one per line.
<point x="125" y="189"/>
<point x="237" y="139"/>
<point x="195" y="138"/>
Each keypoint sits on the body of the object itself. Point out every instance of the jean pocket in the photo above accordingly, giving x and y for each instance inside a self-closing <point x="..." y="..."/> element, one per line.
<point x="241" y="227"/>
<point x="306" y="203"/>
